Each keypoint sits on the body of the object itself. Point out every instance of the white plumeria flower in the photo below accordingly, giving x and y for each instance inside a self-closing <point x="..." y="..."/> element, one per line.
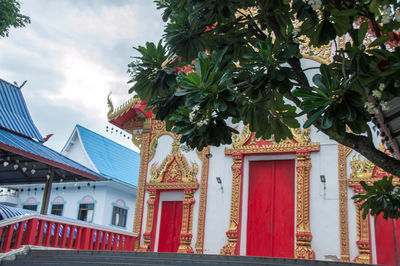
<point x="381" y="86"/>
<point x="397" y="15"/>
<point x="371" y="108"/>
<point x="377" y="94"/>
<point x="384" y="106"/>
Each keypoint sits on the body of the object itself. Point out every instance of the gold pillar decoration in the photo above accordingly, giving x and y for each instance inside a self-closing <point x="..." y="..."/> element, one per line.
<point x="231" y="248"/>
<point x="303" y="233"/>
<point x="363" y="239"/>
<point x="343" y="153"/>
<point x="204" y="157"/>
<point x="144" y="160"/>
<point x="187" y="221"/>
<point x="248" y="144"/>
<point x="149" y="224"/>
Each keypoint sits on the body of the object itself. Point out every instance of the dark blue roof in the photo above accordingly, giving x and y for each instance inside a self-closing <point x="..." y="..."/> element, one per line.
<point x="36" y="150"/>
<point x="110" y="158"/>
<point x="7" y="212"/>
<point x="14" y="114"/>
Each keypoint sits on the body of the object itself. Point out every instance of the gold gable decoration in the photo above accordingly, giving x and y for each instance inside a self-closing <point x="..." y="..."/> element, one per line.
<point x="174" y="172"/>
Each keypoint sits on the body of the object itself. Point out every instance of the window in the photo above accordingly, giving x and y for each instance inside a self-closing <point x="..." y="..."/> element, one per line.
<point x="86" y="212"/>
<point x="30" y="207"/>
<point x="119" y="216"/>
<point x="57" y="209"/>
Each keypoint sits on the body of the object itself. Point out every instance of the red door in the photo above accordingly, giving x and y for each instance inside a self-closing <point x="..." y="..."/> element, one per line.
<point x="170" y="226"/>
<point x="270" y="213"/>
<point x="385" y="242"/>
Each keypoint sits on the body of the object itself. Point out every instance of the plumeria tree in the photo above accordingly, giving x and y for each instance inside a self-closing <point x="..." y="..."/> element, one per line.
<point x="241" y="60"/>
<point x="10" y="16"/>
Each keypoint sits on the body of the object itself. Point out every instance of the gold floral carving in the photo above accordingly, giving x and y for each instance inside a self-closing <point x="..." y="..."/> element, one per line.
<point x="343" y="153"/>
<point x="302" y="146"/>
<point x="187" y="221"/>
<point x="231" y="248"/>
<point x="144" y="160"/>
<point x="203" y="199"/>
<point x="303" y="233"/>
<point x="361" y="171"/>
<point x="150" y="219"/>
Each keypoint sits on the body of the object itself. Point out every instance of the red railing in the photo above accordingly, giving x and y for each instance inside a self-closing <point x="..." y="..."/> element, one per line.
<point x="49" y="231"/>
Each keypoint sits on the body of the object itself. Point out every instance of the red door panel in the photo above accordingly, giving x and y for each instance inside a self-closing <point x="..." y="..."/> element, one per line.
<point x="270" y="217"/>
<point x="385" y="243"/>
<point x="170" y="226"/>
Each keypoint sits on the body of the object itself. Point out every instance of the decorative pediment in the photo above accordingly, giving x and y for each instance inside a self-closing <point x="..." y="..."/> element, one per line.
<point x="174" y="172"/>
<point x="366" y="171"/>
<point x="248" y="143"/>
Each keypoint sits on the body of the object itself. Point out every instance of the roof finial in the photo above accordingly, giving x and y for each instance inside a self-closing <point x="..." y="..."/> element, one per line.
<point x="110" y="105"/>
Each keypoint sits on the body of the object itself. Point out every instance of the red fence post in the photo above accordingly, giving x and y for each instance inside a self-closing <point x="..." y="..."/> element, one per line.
<point x="71" y="236"/>
<point x="78" y="237"/>
<point x="103" y="241"/>
<point x="47" y="237"/>
<point x="7" y="239"/>
<point x="110" y="240"/>
<point x="18" y="237"/>
<point x="63" y="235"/>
<point x="38" y="241"/>
<point x="115" y="243"/>
<point x="97" y="241"/>
<point x="92" y="232"/>
<point x="85" y="238"/>
<point x="30" y="233"/>
<point x="56" y="235"/>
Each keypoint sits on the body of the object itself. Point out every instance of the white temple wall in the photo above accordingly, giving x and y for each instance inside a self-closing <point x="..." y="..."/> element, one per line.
<point x="218" y="201"/>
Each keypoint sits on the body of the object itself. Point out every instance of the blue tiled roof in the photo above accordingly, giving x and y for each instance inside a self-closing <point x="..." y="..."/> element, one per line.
<point x="7" y="212"/>
<point x="14" y="114"/>
<point x="110" y="158"/>
<point x="36" y="150"/>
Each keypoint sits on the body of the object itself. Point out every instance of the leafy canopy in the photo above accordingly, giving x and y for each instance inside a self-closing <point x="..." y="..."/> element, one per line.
<point x="240" y="60"/>
<point x="10" y="16"/>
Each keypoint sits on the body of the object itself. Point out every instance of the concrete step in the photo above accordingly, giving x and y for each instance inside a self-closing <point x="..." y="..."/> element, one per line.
<point x="75" y="257"/>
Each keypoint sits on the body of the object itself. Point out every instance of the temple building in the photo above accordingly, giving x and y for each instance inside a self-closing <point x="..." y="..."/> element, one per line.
<point x="254" y="197"/>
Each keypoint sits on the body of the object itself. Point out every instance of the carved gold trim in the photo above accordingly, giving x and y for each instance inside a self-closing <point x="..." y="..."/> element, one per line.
<point x="343" y="153"/>
<point x="302" y="146"/>
<point x="363" y="240"/>
<point x="303" y="233"/>
<point x="203" y="199"/>
<point x="144" y="160"/>
<point x="231" y="248"/>
<point x="149" y="221"/>
<point x="187" y="222"/>
<point x="113" y="114"/>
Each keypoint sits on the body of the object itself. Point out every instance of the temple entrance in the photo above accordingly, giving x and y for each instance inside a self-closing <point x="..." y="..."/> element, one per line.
<point x="270" y="216"/>
<point x="385" y="241"/>
<point x="170" y="226"/>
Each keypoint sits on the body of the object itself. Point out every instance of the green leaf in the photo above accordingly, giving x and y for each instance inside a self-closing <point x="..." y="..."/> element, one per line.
<point x="313" y="118"/>
<point x="380" y="40"/>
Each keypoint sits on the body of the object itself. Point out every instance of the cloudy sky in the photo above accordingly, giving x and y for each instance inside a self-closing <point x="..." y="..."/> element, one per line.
<point x="73" y="54"/>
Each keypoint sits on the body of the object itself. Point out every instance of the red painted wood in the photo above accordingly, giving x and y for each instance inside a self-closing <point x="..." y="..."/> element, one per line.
<point x="110" y="241"/>
<point x="78" y="237"/>
<point x="115" y="243"/>
<point x="103" y="241"/>
<point x="39" y="237"/>
<point x="97" y="240"/>
<point x="85" y="239"/>
<point x="270" y="217"/>
<point x="71" y="237"/>
<point x="48" y="234"/>
<point x="385" y="243"/>
<point x="56" y="235"/>
<point x="18" y="237"/>
<point x="170" y="226"/>
<point x="92" y="240"/>
<point x="8" y="237"/>
<point x="64" y="236"/>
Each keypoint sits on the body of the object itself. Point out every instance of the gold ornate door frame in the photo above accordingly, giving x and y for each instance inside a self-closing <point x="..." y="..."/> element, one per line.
<point x="248" y="144"/>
